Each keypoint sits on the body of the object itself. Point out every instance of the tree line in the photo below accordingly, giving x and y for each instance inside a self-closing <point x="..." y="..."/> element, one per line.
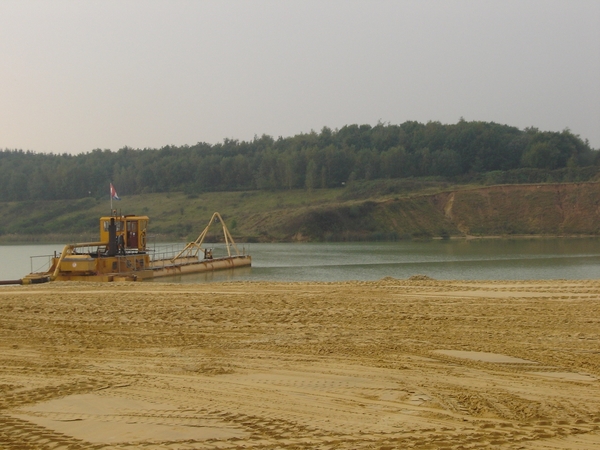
<point x="329" y="158"/>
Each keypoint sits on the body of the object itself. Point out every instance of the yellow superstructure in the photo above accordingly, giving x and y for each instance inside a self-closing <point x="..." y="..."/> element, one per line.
<point x="132" y="230"/>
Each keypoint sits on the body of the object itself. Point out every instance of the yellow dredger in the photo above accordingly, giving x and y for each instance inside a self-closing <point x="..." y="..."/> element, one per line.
<point x="122" y="255"/>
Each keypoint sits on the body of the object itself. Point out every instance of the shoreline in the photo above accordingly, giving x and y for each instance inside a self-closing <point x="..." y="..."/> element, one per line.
<point x="68" y="239"/>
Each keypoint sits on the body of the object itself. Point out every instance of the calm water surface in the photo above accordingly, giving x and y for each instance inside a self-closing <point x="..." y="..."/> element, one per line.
<point x="518" y="259"/>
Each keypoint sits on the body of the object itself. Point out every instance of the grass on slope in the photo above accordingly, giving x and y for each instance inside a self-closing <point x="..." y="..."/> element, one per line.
<point x="172" y="215"/>
<point x="249" y="215"/>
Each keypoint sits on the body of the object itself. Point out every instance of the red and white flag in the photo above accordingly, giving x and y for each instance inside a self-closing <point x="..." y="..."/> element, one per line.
<point x="113" y="193"/>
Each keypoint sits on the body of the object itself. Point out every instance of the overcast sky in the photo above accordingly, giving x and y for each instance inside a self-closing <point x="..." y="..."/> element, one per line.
<point x="80" y="75"/>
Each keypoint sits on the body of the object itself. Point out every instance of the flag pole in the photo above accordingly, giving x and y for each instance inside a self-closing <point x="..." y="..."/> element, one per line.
<point x="110" y="199"/>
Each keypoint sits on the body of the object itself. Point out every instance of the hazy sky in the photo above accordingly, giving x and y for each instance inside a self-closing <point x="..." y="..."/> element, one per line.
<point x="79" y="75"/>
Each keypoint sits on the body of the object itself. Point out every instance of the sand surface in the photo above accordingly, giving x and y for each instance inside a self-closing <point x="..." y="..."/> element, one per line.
<point x="356" y="365"/>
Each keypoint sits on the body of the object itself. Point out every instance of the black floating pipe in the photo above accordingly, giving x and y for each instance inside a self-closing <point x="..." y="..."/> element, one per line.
<point x="3" y="282"/>
<point x="37" y="280"/>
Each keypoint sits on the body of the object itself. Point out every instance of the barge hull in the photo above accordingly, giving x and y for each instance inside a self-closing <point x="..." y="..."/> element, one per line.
<point x="174" y="269"/>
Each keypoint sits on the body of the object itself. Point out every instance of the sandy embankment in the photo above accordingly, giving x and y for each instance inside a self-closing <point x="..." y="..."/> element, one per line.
<point x="389" y="364"/>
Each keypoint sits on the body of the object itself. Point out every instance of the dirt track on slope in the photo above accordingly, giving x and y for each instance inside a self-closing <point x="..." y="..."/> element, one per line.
<point x="389" y="364"/>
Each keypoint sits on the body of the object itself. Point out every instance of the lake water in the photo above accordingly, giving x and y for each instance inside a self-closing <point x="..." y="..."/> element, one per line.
<point x="502" y="259"/>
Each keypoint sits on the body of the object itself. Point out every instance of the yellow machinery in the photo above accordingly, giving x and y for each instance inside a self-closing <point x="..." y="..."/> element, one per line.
<point x="122" y="255"/>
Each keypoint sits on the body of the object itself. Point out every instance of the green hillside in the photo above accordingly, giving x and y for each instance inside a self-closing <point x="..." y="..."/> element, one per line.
<point x="384" y="210"/>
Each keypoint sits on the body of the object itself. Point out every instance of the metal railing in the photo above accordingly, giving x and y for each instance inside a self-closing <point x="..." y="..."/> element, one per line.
<point x="165" y="251"/>
<point x="42" y="267"/>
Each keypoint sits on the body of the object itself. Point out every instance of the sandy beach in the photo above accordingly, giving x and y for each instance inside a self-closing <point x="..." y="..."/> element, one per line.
<point x="390" y="364"/>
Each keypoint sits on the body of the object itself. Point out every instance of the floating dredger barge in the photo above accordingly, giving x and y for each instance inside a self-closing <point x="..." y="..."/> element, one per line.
<point x="122" y="255"/>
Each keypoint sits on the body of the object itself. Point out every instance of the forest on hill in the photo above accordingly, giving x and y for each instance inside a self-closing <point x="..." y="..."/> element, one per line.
<point x="461" y="152"/>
